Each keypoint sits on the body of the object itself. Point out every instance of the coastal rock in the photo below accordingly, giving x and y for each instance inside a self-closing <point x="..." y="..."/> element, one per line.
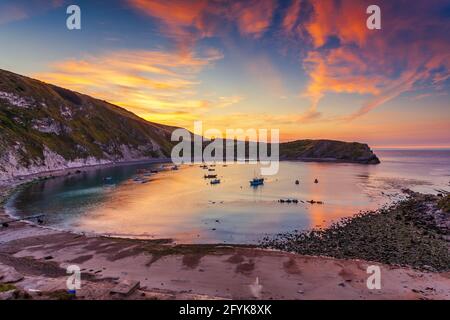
<point x="411" y="232"/>
<point x="9" y="275"/>
<point x="16" y="100"/>
<point x="328" y="151"/>
<point x="7" y="295"/>
<point x="126" y="287"/>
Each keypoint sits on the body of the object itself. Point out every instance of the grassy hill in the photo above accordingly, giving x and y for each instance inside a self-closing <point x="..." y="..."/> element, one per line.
<point x="44" y="127"/>
<point x="328" y="150"/>
<point x="41" y="124"/>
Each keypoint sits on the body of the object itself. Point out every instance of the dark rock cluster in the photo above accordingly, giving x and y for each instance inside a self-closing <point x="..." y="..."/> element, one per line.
<point x="413" y="232"/>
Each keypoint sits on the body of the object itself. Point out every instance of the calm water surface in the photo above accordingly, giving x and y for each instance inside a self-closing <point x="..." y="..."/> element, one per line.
<point x="184" y="206"/>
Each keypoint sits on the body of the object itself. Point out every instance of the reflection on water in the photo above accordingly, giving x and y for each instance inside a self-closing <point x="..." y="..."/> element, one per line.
<point x="182" y="205"/>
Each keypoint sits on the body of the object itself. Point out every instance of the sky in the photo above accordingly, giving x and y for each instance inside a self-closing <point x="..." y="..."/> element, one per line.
<point x="310" y="68"/>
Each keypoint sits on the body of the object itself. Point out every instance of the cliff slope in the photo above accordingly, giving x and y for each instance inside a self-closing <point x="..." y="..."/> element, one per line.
<point x="328" y="150"/>
<point x="45" y="127"/>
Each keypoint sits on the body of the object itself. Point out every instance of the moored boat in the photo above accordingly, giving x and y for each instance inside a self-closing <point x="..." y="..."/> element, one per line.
<point x="215" y="181"/>
<point x="257" y="182"/>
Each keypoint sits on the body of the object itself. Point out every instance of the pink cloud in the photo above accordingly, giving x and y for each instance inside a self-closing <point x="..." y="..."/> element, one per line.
<point x="189" y="20"/>
<point x="11" y="11"/>
<point x="381" y="63"/>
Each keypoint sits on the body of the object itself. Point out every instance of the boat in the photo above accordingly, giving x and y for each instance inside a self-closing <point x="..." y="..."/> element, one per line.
<point x="288" y="201"/>
<point x="211" y="169"/>
<point x="210" y="176"/>
<point x="215" y="181"/>
<point x="204" y="166"/>
<point x="257" y="182"/>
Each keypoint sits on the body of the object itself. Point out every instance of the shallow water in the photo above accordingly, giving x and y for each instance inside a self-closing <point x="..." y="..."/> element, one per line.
<point x="183" y="206"/>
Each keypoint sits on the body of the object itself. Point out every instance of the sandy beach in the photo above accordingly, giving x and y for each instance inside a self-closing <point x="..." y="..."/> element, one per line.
<point x="33" y="260"/>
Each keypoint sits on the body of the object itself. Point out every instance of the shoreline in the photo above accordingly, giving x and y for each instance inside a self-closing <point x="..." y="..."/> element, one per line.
<point x="413" y="232"/>
<point x="35" y="257"/>
<point x="73" y="170"/>
<point x="14" y="185"/>
<point x="19" y="180"/>
<point x="10" y="187"/>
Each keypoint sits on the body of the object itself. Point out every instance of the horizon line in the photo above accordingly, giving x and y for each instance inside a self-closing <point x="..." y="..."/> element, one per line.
<point x="414" y="147"/>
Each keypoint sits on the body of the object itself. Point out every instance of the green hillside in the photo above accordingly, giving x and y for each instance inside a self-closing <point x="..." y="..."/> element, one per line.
<point x="328" y="150"/>
<point x="35" y="116"/>
<point x="44" y="127"/>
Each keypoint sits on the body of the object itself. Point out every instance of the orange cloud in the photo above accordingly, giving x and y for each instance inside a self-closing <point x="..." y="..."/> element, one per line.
<point x="346" y="20"/>
<point x="178" y="17"/>
<point x="292" y="15"/>
<point x="156" y="85"/>
<point x="381" y="63"/>
<point x="175" y="12"/>
<point x="190" y="20"/>
<point x="253" y="16"/>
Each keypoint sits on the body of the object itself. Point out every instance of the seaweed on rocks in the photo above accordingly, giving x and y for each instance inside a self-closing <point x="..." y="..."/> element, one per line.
<point x="412" y="232"/>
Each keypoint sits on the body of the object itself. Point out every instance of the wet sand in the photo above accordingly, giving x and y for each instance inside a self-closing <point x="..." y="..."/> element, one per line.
<point x="169" y="271"/>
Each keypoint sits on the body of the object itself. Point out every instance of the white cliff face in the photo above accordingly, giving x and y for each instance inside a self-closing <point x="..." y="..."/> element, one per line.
<point x="11" y="167"/>
<point x="46" y="126"/>
<point x="129" y="154"/>
<point x="66" y="112"/>
<point x="16" y="100"/>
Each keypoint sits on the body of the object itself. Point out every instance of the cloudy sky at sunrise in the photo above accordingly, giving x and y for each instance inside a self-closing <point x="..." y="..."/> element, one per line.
<point x="310" y="68"/>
